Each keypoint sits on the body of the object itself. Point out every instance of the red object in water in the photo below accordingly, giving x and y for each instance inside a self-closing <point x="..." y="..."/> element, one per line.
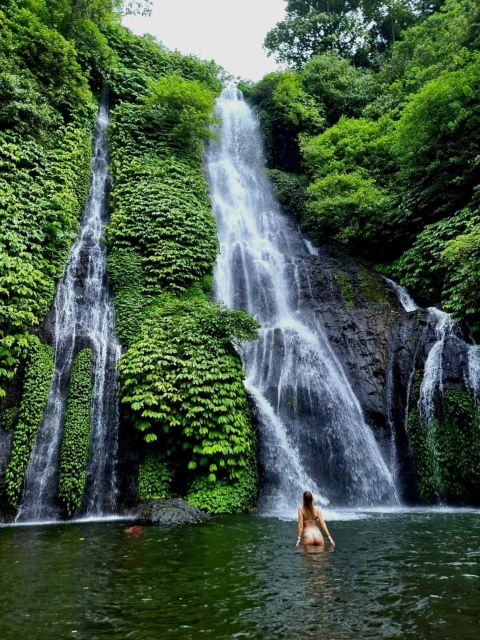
<point x="134" y="529"/>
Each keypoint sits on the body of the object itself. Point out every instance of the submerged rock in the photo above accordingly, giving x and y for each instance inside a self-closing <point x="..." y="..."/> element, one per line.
<point x="169" y="513"/>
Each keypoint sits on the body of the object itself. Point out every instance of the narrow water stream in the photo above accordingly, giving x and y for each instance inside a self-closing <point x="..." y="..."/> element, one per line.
<point x="83" y="316"/>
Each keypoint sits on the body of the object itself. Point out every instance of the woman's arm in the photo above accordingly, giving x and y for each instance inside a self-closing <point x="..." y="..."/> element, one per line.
<point x="323" y="526"/>
<point x="300" y="527"/>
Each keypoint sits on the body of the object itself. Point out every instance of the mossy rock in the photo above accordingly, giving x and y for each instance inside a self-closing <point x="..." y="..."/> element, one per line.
<point x="168" y="513"/>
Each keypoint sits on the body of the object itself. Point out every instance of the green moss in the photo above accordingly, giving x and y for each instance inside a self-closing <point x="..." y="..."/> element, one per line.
<point x="373" y="289"/>
<point x="38" y="375"/>
<point x="161" y="206"/>
<point x="127" y="279"/>
<point x="423" y="447"/>
<point x="345" y="284"/>
<point x="76" y="433"/>
<point x="154" y="477"/>
<point x="226" y="497"/>
<point x="8" y="418"/>
<point x="447" y="453"/>
<point x="458" y="446"/>
<point x="183" y="385"/>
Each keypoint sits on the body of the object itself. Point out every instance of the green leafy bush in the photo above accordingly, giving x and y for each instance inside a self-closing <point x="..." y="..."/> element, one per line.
<point x="340" y="88"/>
<point x="161" y="207"/>
<point x="226" y="497"/>
<point x="437" y="142"/>
<point x="351" y="146"/>
<point x="447" y="451"/>
<point x="185" y="109"/>
<point x="346" y="210"/>
<point x="38" y="375"/>
<point x="461" y="290"/>
<point x="8" y="418"/>
<point x="183" y="385"/>
<point x="76" y="433"/>
<point x="154" y="477"/>
<point x="127" y="279"/>
<point x="423" y="268"/>
<point x="285" y="111"/>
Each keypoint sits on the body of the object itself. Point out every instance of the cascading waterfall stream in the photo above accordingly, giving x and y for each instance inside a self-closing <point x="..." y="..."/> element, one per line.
<point x="83" y="316"/>
<point x="405" y="299"/>
<point x="312" y="431"/>
<point x="433" y="372"/>
<point x="473" y="380"/>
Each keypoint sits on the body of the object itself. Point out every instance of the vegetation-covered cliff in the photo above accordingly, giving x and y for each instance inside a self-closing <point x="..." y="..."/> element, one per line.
<point x="181" y="380"/>
<point x="372" y="139"/>
<point x="372" y="136"/>
<point x="372" y="142"/>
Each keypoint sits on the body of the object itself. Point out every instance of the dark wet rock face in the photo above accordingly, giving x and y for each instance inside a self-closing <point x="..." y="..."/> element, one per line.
<point x="168" y="513"/>
<point x="380" y="345"/>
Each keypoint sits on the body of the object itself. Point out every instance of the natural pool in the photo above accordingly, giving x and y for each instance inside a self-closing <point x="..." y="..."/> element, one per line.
<point x="392" y="575"/>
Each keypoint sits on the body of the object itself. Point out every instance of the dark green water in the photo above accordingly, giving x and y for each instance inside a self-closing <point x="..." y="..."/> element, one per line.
<point x="414" y="575"/>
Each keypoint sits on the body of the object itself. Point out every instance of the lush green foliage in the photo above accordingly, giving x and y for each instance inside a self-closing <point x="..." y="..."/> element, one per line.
<point x="447" y="453"/>
<point x="127" y="280"/>
<point x="356" y="29"/>
<point x="161" y="207"/>
<point x="423" y="268"/>
<point x="76" y="433"/>
<point x="461" y="290"/>
<point x="8" y="418"/>
<point x="226" y="497"/>
<point x="36" y="384"/>
<point x="345" y="209"/>
<point x="46" y="113"/>
<point x="154" y="477"/>
<point x="181" y="380"/>
<point x="290" y="190"/>
<point x="183" y="385"/>
<point x="437" y="142"/>
<point x="338" y="87"/>
<point x="393" y="176"/>
<point x="184" y="108"/>
<point x="141" y="61"/>
<point x="285" y="112"/>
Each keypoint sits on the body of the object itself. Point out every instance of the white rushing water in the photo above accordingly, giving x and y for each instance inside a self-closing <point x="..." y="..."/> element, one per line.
<point x="83" y="317"/>
<point x="474" y="370"/>
<point x="404" y="297"/>
<point x="312" y="431"/>
<point x="433" y="371"/>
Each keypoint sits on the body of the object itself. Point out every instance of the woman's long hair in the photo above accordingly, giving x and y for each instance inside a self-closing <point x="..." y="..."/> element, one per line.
<point x="308" y="507"/>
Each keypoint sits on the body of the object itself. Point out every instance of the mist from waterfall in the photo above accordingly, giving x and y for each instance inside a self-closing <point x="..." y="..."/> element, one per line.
<point x="311" y="428"/>
<point x="83" y="316"/>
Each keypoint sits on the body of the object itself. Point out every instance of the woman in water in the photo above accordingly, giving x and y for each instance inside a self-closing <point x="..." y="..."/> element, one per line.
<point x="308" y="517"/>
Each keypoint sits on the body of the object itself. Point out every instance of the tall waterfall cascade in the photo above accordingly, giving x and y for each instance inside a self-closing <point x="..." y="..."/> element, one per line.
<point x="83" y="316"/>
<point x="311" y="428"/>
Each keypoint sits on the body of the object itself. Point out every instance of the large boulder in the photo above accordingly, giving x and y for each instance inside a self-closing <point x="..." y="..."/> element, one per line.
<point x="168" y="513"/>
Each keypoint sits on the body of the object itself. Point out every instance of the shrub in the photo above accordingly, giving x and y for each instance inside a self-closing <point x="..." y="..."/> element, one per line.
<point x="76" y="433"/>
<point x="38" y="375"/>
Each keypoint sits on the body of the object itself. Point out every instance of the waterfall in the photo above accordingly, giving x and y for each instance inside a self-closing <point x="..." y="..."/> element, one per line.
<point x="433" y="371"/>
<point x="83" y="316"/>
<point x="312" y="431"/>
<point x="474" y="370"/>
<point x="404" y="297"/>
